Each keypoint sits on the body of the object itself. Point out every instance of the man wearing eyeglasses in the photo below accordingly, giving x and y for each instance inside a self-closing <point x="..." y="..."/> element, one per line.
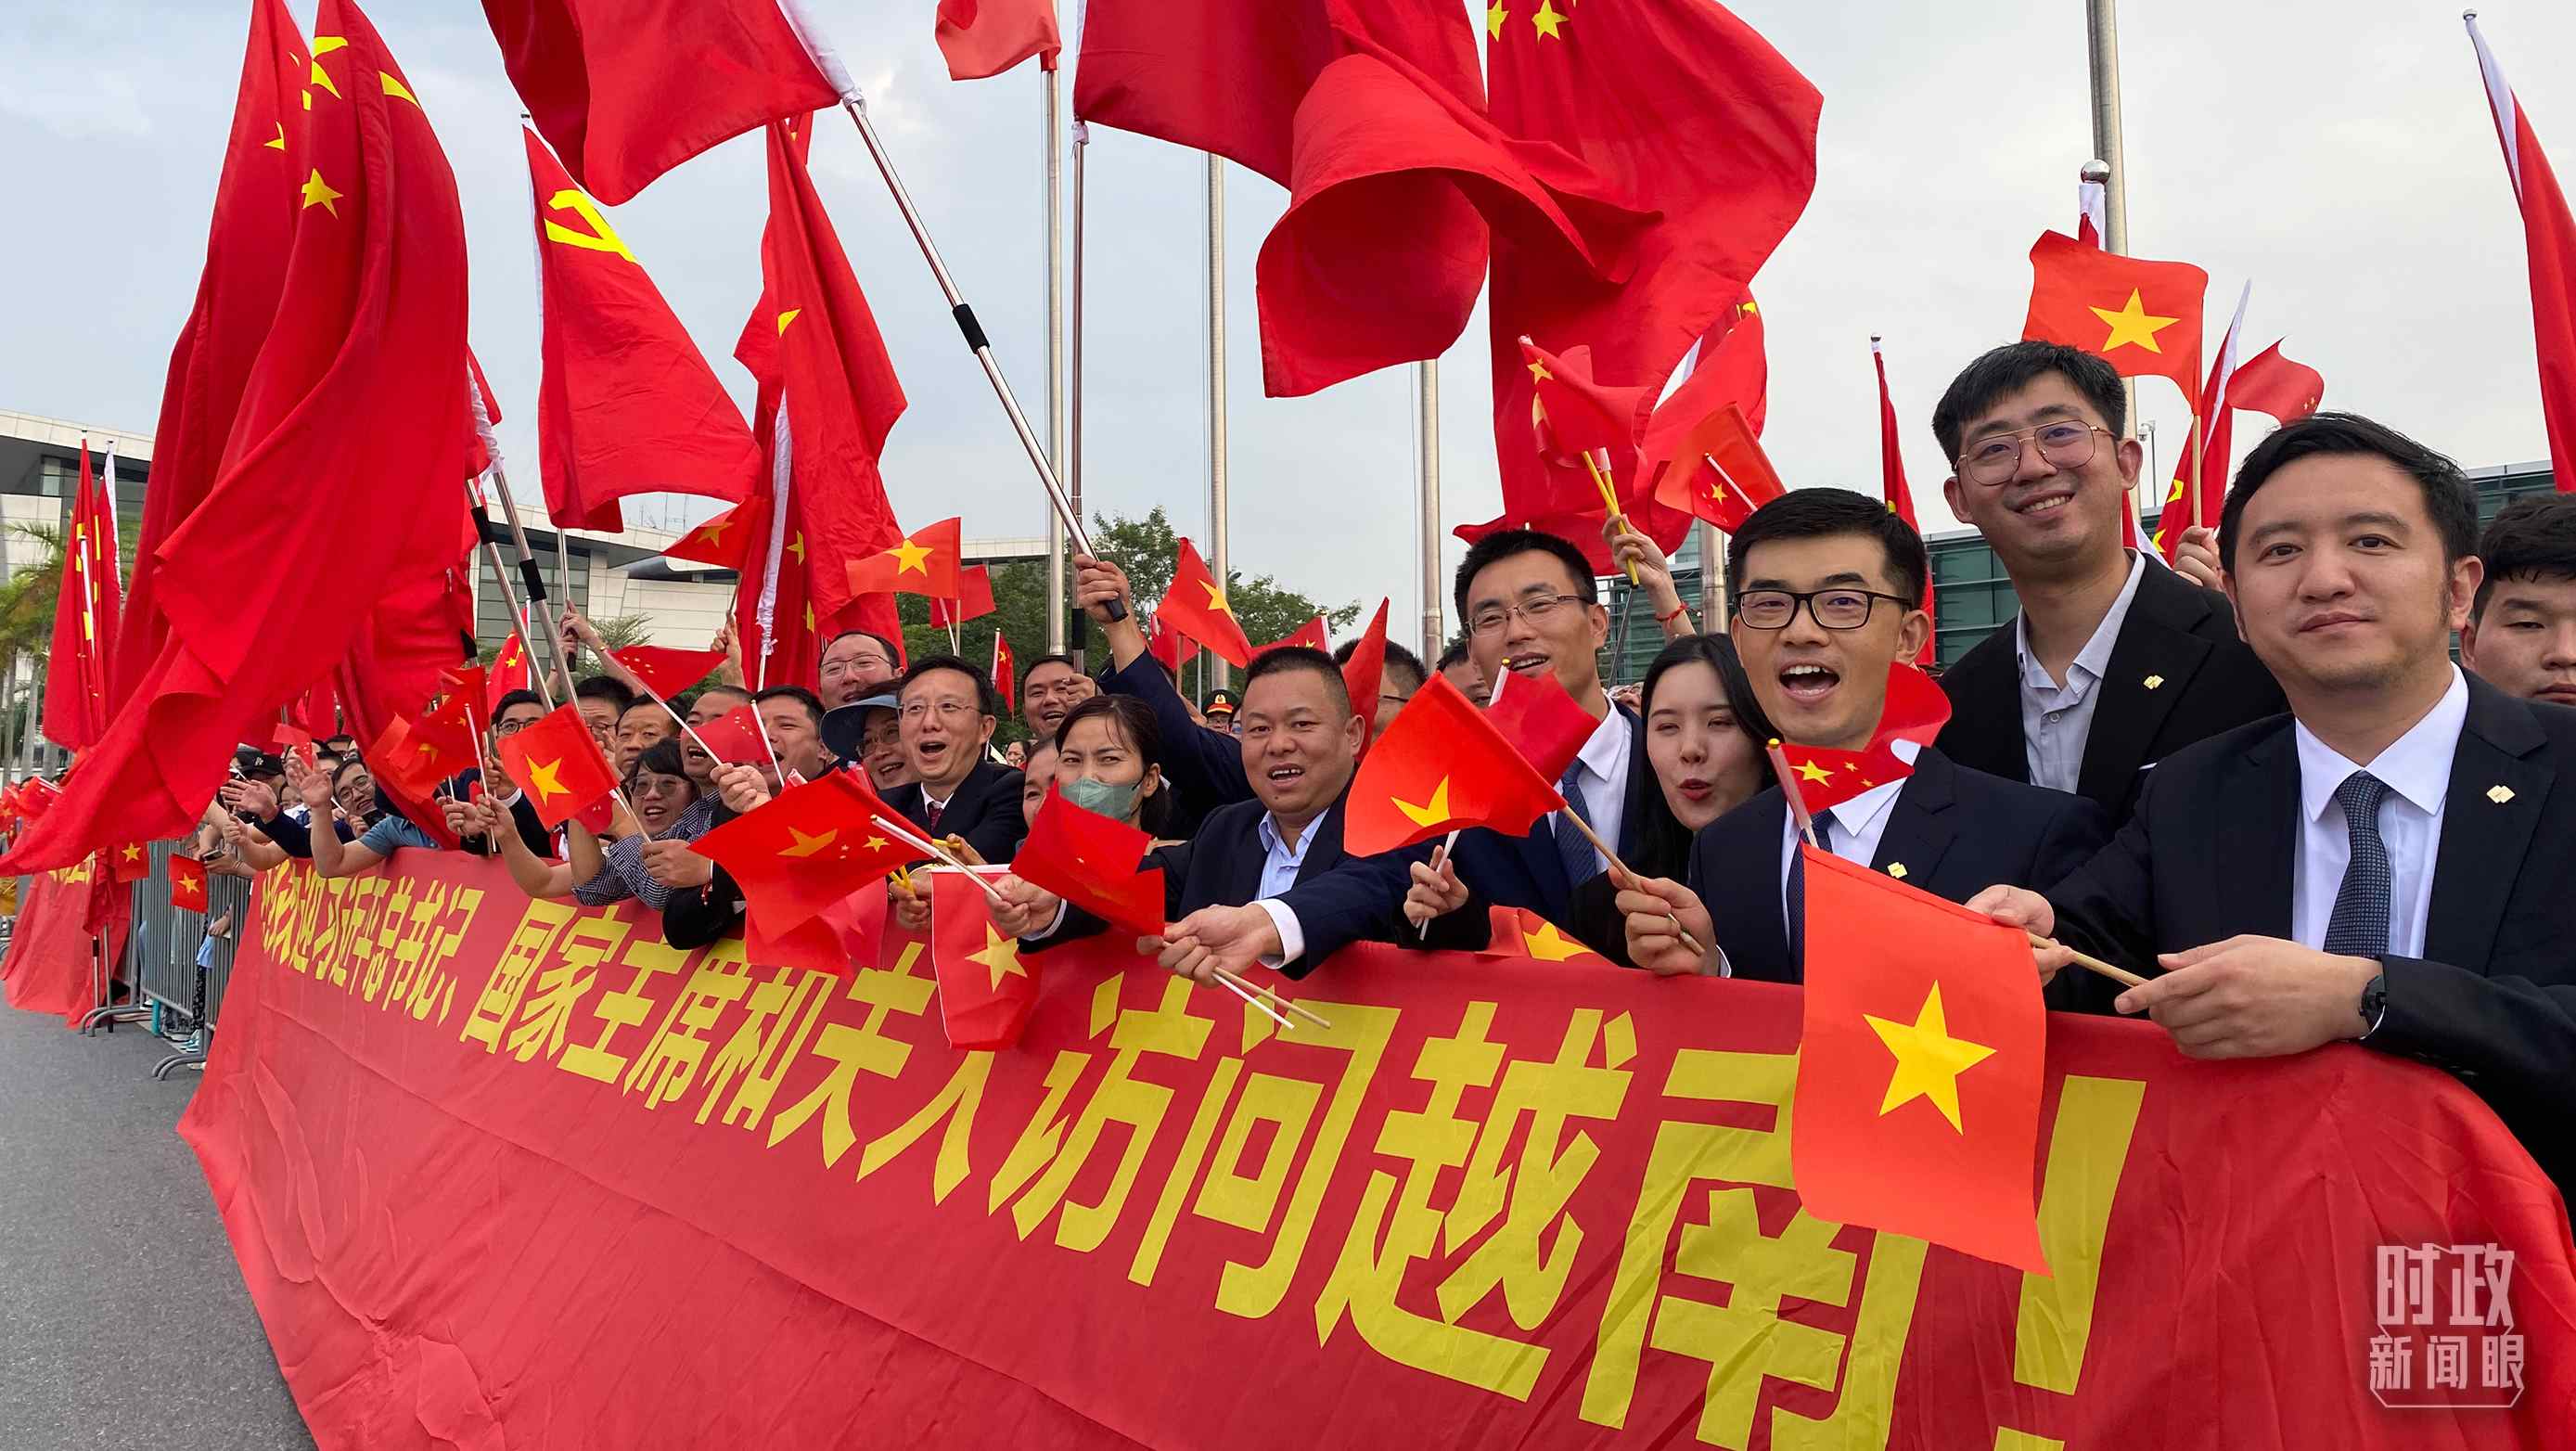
<point x="2115" y="661"/>
<point x="945" y="715"/>
<point x="855" y="665"/>
<point x="1829" y="596"/>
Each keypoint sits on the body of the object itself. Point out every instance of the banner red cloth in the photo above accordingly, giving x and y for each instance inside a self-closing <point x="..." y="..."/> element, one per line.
<point x="47" y="969"/>
<point x="1494" y="1204"/>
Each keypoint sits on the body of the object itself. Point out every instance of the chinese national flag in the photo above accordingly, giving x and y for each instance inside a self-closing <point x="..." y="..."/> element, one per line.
<point x="1090" y="860"/>
<point x="557" y="762"/>
<point x="1917" y="1105"/>
<point x="2142" y="317"/>
<point x="981" y="38"/>
<point x="1891" y="471"/>
<point x="1573" y="412"/>
<point x="1365" y="671"/>
<point x="1440" y="767"/>
<point x="924" y="562"/>
<point x="1916" y="710"/>
<point x="36" y="796"/>
<point x="1520" y="932"/>
<point x="1540" y="720"/>
<point x="411" y="756"/>
<point x="1006" y="673"/>
<point x="187" y="883"/>
<point x="986" y="988"/>
<point x="295" y="740"/>
<point x="360" y="378"/>
<point x="1195" y="605"/>
<point x="811" y="846"/>
<point x="2549" y="241"/>
<point x="974" y="599"/>
<point x="627" y="89"/>
<point x="509" y="673"/>
<point x="666" y="671"/>
<point x="828" y="397"/>
<point x="627" y="405"/>
<point x="2212" y="442"/>
<point x="735" y="737"/>
<point x="839" y="940"/>
<point x="132" y="862"/>
<point x="720" y="541"/>
<point x="1713" y="135"/>
<point x="1718" y="471"/>
<point x="2270" y="383"/>
<point x="1312" y="635"/>
<point x="77" y="670"/>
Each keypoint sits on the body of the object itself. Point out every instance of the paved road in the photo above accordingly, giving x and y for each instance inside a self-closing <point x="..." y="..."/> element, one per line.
<point x="123" y="1323"/>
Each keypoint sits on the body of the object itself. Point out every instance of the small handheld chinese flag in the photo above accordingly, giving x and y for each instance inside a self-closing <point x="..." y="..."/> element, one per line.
<point x="2142" y="317"/>
<point x="1441" y="766"/>
<point x="721" y="541"/>
<point x="735" y="737"/>
<point x="1718" y="471"/>
<point x="666" y="672"/>
<point x="1090" y="860"/>
<point x="985" y="988"/>
<point x="187" y="883"/>
<point x="974" y="598"/>
<point x="1571" y="412"/>
<point x="1541" y="721"/>
<point x="1365" y="672"/>
<point x="131" y="863"/>
<point x="1005" y="673"/>
<point x="1917" y="1106"/>
<point x="296" y="741"/>
<point x="811" y="846"/>
<point x="1916" y="710"/>
<point x="839" y="940"/>
<point x="1196" y="605"/>
<point x="924" y="562"/>
<point x="415" y="755"/>
<point x="509" y="672"/>
<point x="557" y="762"/>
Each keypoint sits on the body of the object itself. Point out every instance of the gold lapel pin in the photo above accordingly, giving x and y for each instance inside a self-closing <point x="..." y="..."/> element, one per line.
<point x="2155" y="682"/>
<point x="2499" y="794"/>
<point x="1896" y="870"/>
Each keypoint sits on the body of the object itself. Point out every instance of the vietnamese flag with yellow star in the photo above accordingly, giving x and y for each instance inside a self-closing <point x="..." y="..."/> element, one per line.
<point x="1919" y="1072"/>
<point x="1195" y="605"/>
<point x="187" y="882"/>
<point x="2141" y="316"/>
<point x="556" y="762"/>
<point x="1441" y="767"/>
<point x="986" y="988"/>
<point x="809" y="847"/>
<point x="129" y="862"/>
<point x="924" y="562"/>
<point x="1521" y="933"/>
<point x="1092" y="861"/>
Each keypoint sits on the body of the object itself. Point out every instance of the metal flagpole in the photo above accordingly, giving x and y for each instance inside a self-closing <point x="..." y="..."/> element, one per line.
<point x="519" y="609"/>
<point x="765" y="612"/>
<point x="2110" y="168"/>
<point x="529" y="575"/>
<point x="1073" y="344"/>
<point x="1216" y="370"/>
<point x="1059" y="597"/>
<point x="1426" y="411"/>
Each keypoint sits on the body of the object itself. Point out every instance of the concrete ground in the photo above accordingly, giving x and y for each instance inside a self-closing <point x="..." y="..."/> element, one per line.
<point x="123" y="1322"/>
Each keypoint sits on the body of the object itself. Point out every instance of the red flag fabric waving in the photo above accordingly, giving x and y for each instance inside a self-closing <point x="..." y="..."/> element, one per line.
<point x="1718" y="471"/>
<point x="1440" y="767"/>
<point x="187" y="883"/>
<point x="1311" y="635"/>
<point x="509" y="673"/>
<point x="973" y="601"/>
<point x="981" y="38"/>
<point x="1573" y="412"/>
<point x="1170" y="646"/>
<point x="557" y="762"/>
<point x="2549" y="242"/>
<point x="627" y="89"/>
<point x="1917" y="1102"/>
<point x="1916" y="709"/>
<point x="77" y="668"/>
<point x="1195" y="604"/>
<point x="1091" y="861"/>
<point x="129" y="862"/>
<point x="721" y="541"/>
<point x="986" y="988"/>
<point x="809" y="847"/>
<point x="2205" y="451"/>
<point x="1005" y="674"/>
<point x="2270" y="383"/>
<point x="1541" y="721"/>
<point x="1365" y="671"/>
<point x="735" y="737"/>
<point x="668" y="671"/>
<point x="360" y="378"/>
<point x="924" y="562"/>
<point x="2141" y="316"/>
<point x="1711" y="130"/>
<point x="1891" y="473"/>
<point x="627" y="405"/>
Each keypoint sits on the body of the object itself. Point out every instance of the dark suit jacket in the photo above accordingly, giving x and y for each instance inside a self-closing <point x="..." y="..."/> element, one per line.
<point x="1525" y="871"/>
<point x="1339" y="899"/>
<point x="985" y="810"/>
<point x="2213" y="850"/>
<point x="1955" y="831"/>
<point x="1203" y="764"/>
<point x="2176" y="633"/>
<point x="696" y="916"/>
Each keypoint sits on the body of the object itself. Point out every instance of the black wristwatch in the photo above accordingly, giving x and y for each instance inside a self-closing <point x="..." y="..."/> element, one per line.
<point x="2374" y="1005"/>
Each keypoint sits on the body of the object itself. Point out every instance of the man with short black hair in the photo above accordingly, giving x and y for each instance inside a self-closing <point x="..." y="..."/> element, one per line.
<point x="1397" y="680"/>
<point x="945" y="715"/>
<point x="2388" y="863"/>
<point x="712" y="703"/>
<point x="342" y="746"/>
<point x="602" y="701"/>
<point x="2521" y="634"/>
<point x="2115" y="661"/>
<point x="856" y="663"/>
<point x="514" y="712"/>
<point x="1459" y="670"/>
<point x="1049" y="690"/>
<point x="793" y="718"/>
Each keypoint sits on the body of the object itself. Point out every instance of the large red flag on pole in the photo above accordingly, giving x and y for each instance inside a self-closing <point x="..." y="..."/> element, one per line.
<point x="627" y="405"/>
<point x="1891" y="473"/>
<point x="981" y="38"/>
<point x="362" y="378"/>
<point x="627" y="89"/>
<point x="76" y="670"/>
<point x="2549" y="238"/>
<point x="2199" y="485"/>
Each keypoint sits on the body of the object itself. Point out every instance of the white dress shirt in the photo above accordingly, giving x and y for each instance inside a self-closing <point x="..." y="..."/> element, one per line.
<point x="2056" y="720"/>
<point x="2416" y="768"/>
<point x="1857" y="824"/>
<point x="1603" y="764"/>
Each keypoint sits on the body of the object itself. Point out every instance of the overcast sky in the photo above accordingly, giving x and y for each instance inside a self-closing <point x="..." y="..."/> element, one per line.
<point x="2338" y="152"/>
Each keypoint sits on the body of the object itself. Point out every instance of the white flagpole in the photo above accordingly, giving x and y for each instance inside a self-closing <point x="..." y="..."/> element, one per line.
<point x="1059" y="595"/>
<point x="766" y="612"/>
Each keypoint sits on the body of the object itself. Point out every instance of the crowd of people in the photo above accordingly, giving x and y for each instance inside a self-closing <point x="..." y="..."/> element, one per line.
<point x="2257" y="778"/>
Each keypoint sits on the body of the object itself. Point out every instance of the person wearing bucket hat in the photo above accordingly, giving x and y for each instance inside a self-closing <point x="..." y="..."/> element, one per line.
<point x="867" y="734"/>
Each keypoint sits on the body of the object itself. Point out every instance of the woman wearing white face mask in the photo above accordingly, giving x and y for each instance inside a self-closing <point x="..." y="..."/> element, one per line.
<point x="1107" y="758"/>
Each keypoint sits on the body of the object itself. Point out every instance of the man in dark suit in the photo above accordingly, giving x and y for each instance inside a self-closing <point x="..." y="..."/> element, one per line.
<point x="946" y="717"/>
<point x="1264" y="880"/>
<point x="2389" y="864"/>
<point x="2115" y="662"/>
<point x="1532" y="606"/>
<point x="704" y="903"/>
<point x="1828" y="597"/>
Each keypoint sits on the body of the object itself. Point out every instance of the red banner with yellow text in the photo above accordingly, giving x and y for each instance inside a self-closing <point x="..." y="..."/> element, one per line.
<point x="48" y="968"/>
<point x="512" y="1173"/>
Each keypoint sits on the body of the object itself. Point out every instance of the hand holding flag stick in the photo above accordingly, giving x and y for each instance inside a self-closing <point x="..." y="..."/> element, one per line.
<point x="933" y="849"/>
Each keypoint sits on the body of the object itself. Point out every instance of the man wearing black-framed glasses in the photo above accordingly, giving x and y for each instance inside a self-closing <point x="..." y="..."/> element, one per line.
<point x="1829" y="597"/>
<point x="2114" y="661"/>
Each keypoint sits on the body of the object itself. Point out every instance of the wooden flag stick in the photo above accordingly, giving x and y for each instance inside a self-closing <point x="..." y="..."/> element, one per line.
<point x="1289" y="1003"/>
<point x="1789" y="788"/>
<point x="1623" y="869"/>
<point x="1610" y="501"/>
<point x="2120" y="975"/>
<point x="1239" y="988"/>
<point x="946" y="857"/>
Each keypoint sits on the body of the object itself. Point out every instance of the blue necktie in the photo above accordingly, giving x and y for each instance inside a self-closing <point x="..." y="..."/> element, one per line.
<point x="1573" y="848"/>
<point x="1798" y="896"/>
<point x="2359" y="926"/>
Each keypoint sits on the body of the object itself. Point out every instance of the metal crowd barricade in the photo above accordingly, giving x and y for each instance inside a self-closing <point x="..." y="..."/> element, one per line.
<point x="177" y="968"/>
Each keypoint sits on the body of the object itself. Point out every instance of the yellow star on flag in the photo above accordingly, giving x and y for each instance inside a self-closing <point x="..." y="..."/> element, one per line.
<point x="1547" y="22"/>
<point x="787" y="317"/>
<point x="133" y="853"/>
<point x="796" y="546"/>
<point x="1810" y="771"/>
<point x="2133" y="324"/>
<point x="188" y="888"/>
<point x="911" y="558"/>
<point x="280" y="143"/>
<point x="1549" y="945"/>
<point x="809" y="617"/>
<point x="1539" y="373"/>
<point x="713" y="530"/>
<point x="1216" y="597"/>
<point x="396" y="89"/>
<point x="877" y="844"/>
<point x="318" y="192"/>
<point x="1436" y="809"/>
<point x="1000" y="957"/>
<point x="546" y="779"/>
<point x="806" y="846"/>
<point x="1928" y="1060"/>
<point x="1494" y="19"/>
